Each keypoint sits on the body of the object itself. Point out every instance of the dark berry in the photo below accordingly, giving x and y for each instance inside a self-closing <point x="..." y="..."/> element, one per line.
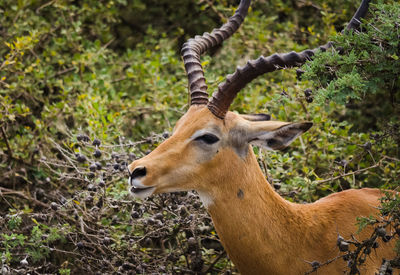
<point x="107" y="241"/>
<point x="339" y="240"/>
<point x="367" y="146"/>
<point x="381" y="232"/>
<point x="196" y="204"/>
<point x="307" y="92"/>
<point x="148" y="242"/>
<point x="96" y="142"/>
<point x="80" y="245"/>
<point x="82" y="137"/>
<point x="135" y="214"/>
<point x="116" y="166"/>
<point x="277" y="185"/>
<point x="114" y="155"/>
<point x="81" y="158"/>
<point x="40" y="193"/>
<point x="89" y="199"/>
<point x="54" y="206"/>
<point x="192" y="241"/>
<point x="98" y="165"/>
<point x="97" y="153"/>
<point x="165" y="135"/>
<point x="91" y="187"/>
<point x="386" y="238"/>
<point x="92" y="167"/>
<point x="100" y="203"/>
<point x="315" y="264"/>
<point x="150" y="221"/>
<point x="343" y="246"/>
<point x="127" y="266"/>
<point x="132" y="156"/>
<point x="102" y="183"/>
<point x="159" y="216"/>
<point x="299" y="73"/>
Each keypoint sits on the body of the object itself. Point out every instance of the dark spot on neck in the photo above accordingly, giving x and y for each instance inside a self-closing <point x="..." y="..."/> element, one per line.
<point x="240" y="194"/>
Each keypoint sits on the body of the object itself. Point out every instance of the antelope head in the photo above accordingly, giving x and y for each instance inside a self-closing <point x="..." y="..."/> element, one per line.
<point x="209" y="141"/>
<point x="203" y="147"/>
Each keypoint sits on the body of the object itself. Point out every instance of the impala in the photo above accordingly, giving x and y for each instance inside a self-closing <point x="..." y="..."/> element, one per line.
<point x="210" y="151"/>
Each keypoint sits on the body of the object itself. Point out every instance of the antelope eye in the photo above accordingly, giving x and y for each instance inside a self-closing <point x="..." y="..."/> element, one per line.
<point x="208" y="138"/>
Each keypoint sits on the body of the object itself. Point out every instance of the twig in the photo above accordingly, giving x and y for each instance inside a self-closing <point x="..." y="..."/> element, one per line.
<point x="220" y="15"/>
<point x="120" y="79"/>
<point x="6" y="191"/>
<point x="214" y="262"/>
<point x="354" y="172"/>
<point x="44" y="5"/>
<point x="9" y="151"/>
<point x="5" y="63"/>
<point x="325" y="263"/>
<point x="64" y="71"/>
<point x="67" y="157"/>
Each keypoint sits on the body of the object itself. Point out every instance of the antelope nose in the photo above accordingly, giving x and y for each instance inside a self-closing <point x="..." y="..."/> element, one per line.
<point x="138" y="172"/>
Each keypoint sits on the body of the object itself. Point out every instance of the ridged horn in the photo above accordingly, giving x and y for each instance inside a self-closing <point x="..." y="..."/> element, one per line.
<point x="195" y="47"/>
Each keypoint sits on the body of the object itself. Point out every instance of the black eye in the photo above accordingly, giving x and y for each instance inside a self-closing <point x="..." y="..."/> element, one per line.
<point x="208" y="138"/>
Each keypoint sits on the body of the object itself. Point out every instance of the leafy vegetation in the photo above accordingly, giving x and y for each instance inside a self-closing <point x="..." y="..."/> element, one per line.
<point x="88" y="86"/>
<point x="363" y="69"/>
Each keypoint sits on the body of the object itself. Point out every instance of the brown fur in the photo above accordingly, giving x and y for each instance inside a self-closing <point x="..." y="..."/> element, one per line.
<point x="261" y="232"/>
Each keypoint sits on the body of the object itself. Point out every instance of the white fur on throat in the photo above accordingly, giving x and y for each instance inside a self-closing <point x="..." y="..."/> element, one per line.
<point x="206" y="198"/>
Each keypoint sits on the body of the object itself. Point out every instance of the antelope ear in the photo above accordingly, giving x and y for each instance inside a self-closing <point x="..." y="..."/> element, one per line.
<point x="279" y="138"/>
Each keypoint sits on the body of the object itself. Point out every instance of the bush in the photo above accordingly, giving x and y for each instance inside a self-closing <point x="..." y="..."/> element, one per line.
<point x="363" y="71"/>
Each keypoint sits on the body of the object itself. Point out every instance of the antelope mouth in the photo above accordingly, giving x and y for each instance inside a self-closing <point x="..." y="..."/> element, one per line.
<point x="136" y="190"/>
<point x="141" y="191"/>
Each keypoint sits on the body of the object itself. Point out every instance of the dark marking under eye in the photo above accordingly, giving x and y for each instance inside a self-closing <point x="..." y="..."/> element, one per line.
<point x="240" y="194"/>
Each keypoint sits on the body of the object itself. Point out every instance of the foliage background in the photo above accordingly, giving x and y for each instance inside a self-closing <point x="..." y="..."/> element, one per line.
<point x="111" y="70"/>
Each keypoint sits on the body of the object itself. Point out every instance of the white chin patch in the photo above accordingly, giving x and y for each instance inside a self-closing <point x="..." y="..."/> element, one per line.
<point x="205" y="198"/>
<point x="138" y="190"/>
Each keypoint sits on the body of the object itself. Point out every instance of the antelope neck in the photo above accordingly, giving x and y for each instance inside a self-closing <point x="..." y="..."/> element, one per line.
<point x="253" y="222"/>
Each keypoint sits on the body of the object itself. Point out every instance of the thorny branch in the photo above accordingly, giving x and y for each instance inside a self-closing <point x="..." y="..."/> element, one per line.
<point x="379" y="163"/>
